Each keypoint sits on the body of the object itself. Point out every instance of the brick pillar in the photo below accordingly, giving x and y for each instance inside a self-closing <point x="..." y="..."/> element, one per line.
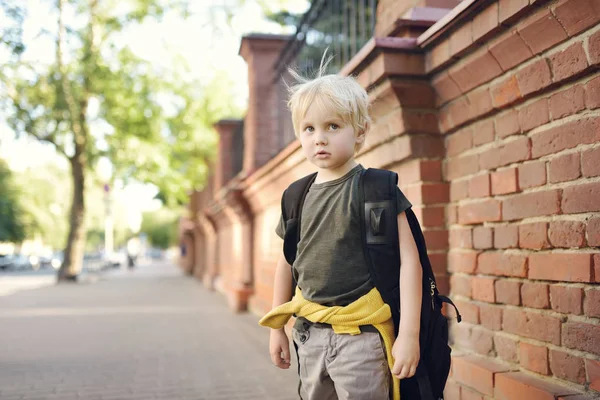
<point x="409" y="18"/>
<point x="224" y="166"/>
<point x="260" y="140"/>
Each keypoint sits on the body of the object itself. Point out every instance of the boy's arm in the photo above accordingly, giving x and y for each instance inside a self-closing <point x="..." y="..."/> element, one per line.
<point x="411" y="276"/>
<point x="282" y="288"/>
<point x="406" y="350"/>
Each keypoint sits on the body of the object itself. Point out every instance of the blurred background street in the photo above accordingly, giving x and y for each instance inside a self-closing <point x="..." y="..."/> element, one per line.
<point x="146" y="333"/>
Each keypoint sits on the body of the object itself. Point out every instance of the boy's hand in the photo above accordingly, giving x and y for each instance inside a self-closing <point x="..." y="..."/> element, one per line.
<point x="406" y="355"/>
<point x="279" y="348"/>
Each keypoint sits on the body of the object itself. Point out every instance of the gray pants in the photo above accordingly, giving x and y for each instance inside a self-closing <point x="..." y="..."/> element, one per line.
<point x="344" y="367"/>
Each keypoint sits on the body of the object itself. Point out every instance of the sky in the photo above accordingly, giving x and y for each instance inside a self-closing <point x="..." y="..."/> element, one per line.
<point x="204" y="51"/>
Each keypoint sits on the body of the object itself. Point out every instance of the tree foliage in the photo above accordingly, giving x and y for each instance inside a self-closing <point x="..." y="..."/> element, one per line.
<point x="161" y="226"/>
<point x="13" y="219"/>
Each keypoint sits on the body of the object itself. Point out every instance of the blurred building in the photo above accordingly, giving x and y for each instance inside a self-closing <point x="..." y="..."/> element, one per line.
<point x="490" y="113"/>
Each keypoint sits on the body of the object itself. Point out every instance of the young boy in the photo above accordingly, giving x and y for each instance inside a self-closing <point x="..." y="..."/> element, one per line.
<point x="330" y="118"/>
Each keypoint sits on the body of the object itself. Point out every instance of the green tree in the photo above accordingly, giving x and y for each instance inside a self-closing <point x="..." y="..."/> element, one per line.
<point x="161" y="227"/>
<point x="153" y="126"/>
<point x="13" y="221"/>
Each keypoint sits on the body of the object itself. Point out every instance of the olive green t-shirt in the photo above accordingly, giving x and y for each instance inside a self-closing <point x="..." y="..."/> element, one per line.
<point x="330" y="265"/>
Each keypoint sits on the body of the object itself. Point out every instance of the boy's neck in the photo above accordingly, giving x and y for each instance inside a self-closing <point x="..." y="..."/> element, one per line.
<point x="330" y="174"/>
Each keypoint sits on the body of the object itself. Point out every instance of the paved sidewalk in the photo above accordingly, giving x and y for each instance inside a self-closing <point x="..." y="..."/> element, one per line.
<point x="145" y="334"/>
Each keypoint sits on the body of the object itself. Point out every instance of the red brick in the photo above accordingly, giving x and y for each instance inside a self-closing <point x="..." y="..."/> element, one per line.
<point x="436" y="239"/>
<point x="461" y="285"/>
<point x="510" y="10"/>
<point x="451" y="391"/>
<point x="534" y="358"/>
<point x="461" y="111"/>
<point x="566" y="366"/>
<point x="483" y="237"/>
<point x="577" y="15"/>
<point x="566" y="233"/>
<point x="532" y="174"/>
<point x="593" y="373"/>
<point x="461" y="166"/>
<point x="485" y="23"/>
<point x="490" y="316"/>
<point x="596" y="267"/>
<point x="502" y="264"/>
<point x="461" y="238"/>
<point x="506" y="91"/>
<point x="534" y="236"/>
<point x="593" y="231"/>
<point x="534" y="114"/>
<point x="534" y="77"/>
<point x="481" y="67"/>
<point x="468" y="310"/>
<point x="542" y="31"/>
<point x="469" y="394"/>
<point x="508" y="292"/>
<point x="479" y="186"/>
<point x="461" y="334"/>
<point x="566" y="267"/>
<point x="476" y="373"/>
<point x="594" y="48"/>
<point x="592" y="93"/>
<point x="518" y="386"/>
<point x="566" y="299"/>
<point x="581" y="198"/>
<point x="445" y="87"/>
<point x="506" y="236"/>
<point x="480" y="101"/>
<point x="535" y="295"/>
<point x="482" y="341"/>
<point x="568" y="62"/>
<point x="462" y="262"/>
<point x="507" y="123"/>
<point x="482" y="211"/>
<point x="459" y="190"/>
<point x="461" y="39"/>
<point x="505" y="181"/>
<point x="509" y="152"/>
<point x="531" y="205"/>
<point x="591" y="305"/>
<point x="581" y="336"/>
<point x="506" y="348"/>
<point x="532" y="325"/>
<point x="451" y="213"/>
<point x="438" y="56"/>
<point x="510" y="51"/>
<point x="589" y="161"/>
<point x="567" y="102"/>
<point x="459" y="142"/>
<point x="483" y="289"/>
<point x="433" y="193"/>
<point x="566" y="136"/>
<point x="483" y="133"/>
<point x="564" y="168"/>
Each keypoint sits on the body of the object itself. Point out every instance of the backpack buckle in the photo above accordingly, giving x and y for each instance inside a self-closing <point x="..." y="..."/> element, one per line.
<point x="379" y="219"/>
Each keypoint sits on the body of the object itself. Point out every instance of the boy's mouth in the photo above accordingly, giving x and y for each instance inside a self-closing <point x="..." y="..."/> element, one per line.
<point x="322" y="153"/>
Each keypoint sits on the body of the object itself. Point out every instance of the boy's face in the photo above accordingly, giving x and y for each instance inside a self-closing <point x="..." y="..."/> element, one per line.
<point x="327" y="140"/>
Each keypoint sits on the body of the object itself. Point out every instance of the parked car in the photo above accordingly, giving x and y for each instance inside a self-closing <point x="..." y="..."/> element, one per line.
<point x="6" y="261"/>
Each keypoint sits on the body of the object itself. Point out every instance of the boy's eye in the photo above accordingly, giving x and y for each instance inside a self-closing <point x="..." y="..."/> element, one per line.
<point x="334" y="127"/>
<point x="309" y="129"/>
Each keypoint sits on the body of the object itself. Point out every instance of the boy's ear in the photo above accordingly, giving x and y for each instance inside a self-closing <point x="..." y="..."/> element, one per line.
<point x="360" y="136"/>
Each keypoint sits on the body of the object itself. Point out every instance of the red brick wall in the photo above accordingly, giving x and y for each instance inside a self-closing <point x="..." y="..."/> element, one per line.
<point x="519" y="111"/>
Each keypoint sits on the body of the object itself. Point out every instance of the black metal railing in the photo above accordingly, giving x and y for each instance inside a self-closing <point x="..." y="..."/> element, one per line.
<point x="342" y="26"/>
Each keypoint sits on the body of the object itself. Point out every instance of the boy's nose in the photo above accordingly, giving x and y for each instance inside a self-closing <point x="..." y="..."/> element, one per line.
<point x="320" y="139"/>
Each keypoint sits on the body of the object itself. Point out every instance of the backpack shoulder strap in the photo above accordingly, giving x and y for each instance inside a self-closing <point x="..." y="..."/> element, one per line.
<point x="379" y="233"/>
<point x="291" y="211"/>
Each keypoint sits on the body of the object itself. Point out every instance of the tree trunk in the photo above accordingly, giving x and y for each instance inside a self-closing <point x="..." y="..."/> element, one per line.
<point x="73" y="255"/>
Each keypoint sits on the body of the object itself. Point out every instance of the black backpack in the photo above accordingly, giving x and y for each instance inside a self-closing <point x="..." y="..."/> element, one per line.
<point x="379" y="231"/>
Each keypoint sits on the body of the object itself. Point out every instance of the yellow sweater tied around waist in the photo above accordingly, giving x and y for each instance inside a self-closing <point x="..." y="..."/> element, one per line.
<point x="370" y="309"/>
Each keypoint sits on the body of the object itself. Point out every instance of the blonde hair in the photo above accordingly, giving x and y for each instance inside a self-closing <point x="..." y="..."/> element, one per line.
<point x="342" y="95"/>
